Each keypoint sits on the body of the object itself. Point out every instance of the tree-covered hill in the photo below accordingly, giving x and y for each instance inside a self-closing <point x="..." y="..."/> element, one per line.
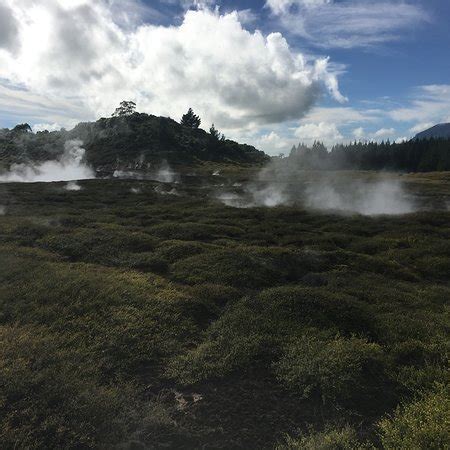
<point x="440" y="131"/>
<point x="131" y="140"/>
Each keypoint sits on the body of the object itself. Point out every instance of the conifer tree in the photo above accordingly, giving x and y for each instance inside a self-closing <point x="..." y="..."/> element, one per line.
<point x="190" y="119"/>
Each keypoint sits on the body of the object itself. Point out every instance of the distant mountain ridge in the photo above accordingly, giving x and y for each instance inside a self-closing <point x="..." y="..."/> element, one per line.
<point x="131" y="141"/>
<point x="440" y="131"/>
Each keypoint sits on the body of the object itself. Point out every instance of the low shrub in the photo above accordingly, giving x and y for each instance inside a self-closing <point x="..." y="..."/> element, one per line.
<point x="334" y="369"/>
<point x="174" y="251"/>
<point x="330" y="439"/>
<point x="423" y="424"/>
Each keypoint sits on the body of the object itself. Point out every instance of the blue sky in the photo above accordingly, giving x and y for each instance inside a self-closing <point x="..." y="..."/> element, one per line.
<point x="267" y="72"/>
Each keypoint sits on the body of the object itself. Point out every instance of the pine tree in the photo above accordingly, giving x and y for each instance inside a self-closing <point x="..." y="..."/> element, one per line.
<point x="126" y="108"/>
<point x="215" y="133"/>
<point x="190" y="119"/>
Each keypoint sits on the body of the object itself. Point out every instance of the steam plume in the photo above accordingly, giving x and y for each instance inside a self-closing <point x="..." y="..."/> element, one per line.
<point x="164" y="174"/>
<point x="284" y="183"/>
<point x="73" y="186"/>
<point x="70" y="166"/>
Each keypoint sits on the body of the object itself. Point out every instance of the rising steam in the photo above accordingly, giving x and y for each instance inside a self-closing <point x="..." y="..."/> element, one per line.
<point x="73" y="186"/>
<point x="70" y="166"/>
<point x="282" y="183"/>
<point x="163" y="173"/>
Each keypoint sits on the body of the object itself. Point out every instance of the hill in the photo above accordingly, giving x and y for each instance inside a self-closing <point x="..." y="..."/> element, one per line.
<point x="132" y="141"/>
<point x="440" y="131"/>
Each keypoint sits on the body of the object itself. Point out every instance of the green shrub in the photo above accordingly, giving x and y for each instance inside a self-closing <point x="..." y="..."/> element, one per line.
<point x="330" y="439"/>
<point x="174" y="251"/>
<point x="246" y="267"/>
<point x="191" y="231"/>
<point x="29" y="233"/>
<point x="234" y="342"/>
<point x="423" y="424"/>
<point x="335" y="369"/>
<point x="97" y="245"/>
<point x="50" y="397"/>
<point x="288" y="307"/>
<point x="145" y="262"/>
<point x="215" y="294"/>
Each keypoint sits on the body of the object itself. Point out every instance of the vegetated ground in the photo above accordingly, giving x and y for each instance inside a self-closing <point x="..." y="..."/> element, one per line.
<point x="143" y="319"/>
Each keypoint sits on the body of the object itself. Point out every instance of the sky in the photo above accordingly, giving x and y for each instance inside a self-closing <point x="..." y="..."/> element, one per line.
<point x="271" y="73"/>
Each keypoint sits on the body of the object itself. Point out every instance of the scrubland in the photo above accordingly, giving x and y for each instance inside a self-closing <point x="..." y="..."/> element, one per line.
<point x="139" y="318"/>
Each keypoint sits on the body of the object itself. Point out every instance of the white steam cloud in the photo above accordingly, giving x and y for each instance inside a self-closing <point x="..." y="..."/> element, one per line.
<point x="164" y="174"/>
<point x="73" y="186"/>
<point x="70" y="166"/>
<point x="281" y="183"/>
<point x="369" y="199"/>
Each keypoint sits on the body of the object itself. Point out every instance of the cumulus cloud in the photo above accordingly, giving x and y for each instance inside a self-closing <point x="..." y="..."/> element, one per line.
<point x="347" y="23"/>
<point x="78" y="51"/>
<point x="328" y="133"/>
<point x="9" y="28"/>
<point x="358" y="133"/>
<point x="384" y="133"/>
<point x="272" y="143"/>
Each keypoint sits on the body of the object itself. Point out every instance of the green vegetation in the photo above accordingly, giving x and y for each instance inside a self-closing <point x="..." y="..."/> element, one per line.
<point x="128" y="140"/>
<point x="424" y="155"/>
<point x="190" y="119"/>
<point x="132" y="319"/>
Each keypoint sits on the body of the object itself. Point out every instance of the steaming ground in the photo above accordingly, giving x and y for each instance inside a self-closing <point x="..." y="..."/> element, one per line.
<point x="73" y="186"/>
<point x="70" y="166"/>
<point x="282" y="184"/>
<point x="162" y="173"/>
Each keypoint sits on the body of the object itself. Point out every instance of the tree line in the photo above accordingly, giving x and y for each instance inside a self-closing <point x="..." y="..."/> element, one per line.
<point x="189" y="120"/>
<point x="410" y="156"/>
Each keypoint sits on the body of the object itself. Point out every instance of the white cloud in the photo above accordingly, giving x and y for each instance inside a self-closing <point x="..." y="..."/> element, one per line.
<point x="359" y="133"/>
<point x="247" y="16"/>
<point x="328" y="133"/>
<point x="8" y="28"/>
<point x="40" y="108"/>
<point x="430" y="104"/>
<point x="422" y="126"/>
<point x="384" y="133"/>
<point x="74" y="51"/>
<point x="342" y="115"/>
<point x="347" y="23"/>
<point x="272" y="143"/>
<point x="46" y="127"/>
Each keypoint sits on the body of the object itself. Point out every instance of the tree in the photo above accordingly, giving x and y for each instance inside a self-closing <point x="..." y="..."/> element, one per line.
<point x="22" y="128"/>
<point x="126" y="108"/>
<point x="215" y="133"/>
<point x="190" y="119"/>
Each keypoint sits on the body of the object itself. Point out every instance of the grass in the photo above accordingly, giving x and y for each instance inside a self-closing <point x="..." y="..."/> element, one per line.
<point x="141" y="320"/>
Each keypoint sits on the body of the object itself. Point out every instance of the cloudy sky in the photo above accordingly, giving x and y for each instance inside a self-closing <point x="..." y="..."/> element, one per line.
<point x="267" y="72"/>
